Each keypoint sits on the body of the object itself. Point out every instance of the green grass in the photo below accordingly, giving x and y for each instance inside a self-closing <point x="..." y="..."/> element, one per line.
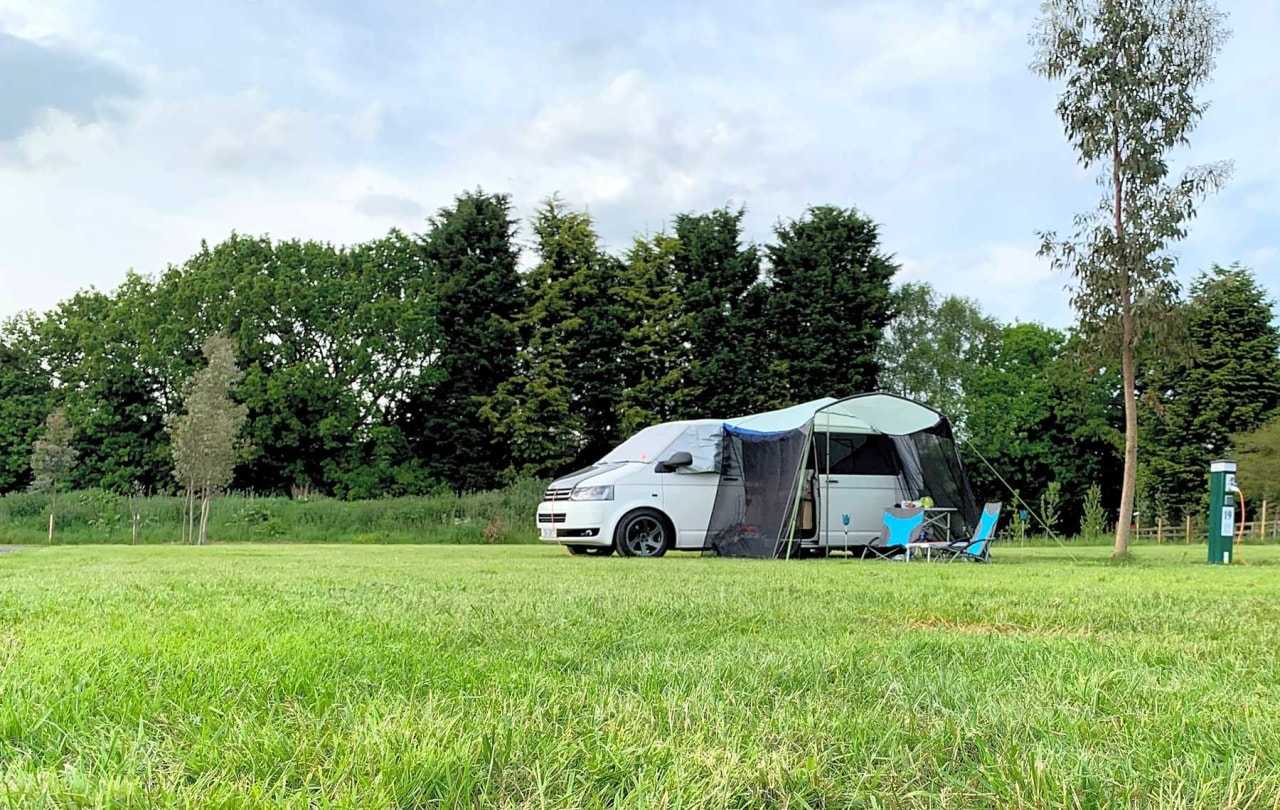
<point x="94" y="516"/>
<point x="403" y="676"/>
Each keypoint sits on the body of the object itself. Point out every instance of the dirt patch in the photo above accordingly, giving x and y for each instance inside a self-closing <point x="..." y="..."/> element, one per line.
<point x="986" y="628"/>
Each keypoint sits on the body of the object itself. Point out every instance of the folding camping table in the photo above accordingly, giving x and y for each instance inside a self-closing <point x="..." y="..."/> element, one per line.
<point x="938" y="517"/>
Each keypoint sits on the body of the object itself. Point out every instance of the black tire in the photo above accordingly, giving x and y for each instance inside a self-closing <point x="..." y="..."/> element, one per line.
<point x="590" y="551"/>
<point x="643" y="533"/>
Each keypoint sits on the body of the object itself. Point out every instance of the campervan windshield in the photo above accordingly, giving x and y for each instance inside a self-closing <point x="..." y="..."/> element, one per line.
<point x="647" y="445"/>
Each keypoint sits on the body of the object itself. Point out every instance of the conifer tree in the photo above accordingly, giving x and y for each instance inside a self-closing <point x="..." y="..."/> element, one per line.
<point x="561" y="406"/>
<point x="471" y="255"/>
<point x="721" y="329"/>
<point x="1229" y="383"/>
<point x="829" y="304"/>
<point x="653" y="359"/>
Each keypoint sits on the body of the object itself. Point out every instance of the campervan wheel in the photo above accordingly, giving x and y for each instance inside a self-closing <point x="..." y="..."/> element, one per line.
<point x="642" y="533"/>
<point x="591" y="551"/>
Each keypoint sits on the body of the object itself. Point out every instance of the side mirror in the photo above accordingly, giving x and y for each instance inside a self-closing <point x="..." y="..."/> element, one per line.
<point x="675" y="462"/>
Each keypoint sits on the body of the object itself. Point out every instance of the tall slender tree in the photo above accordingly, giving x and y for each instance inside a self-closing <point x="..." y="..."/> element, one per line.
<point x="471" y="255"/>
<point x="1130" y="70"/>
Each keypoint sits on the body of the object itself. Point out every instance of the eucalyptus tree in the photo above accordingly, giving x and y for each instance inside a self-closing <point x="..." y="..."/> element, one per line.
<point x="1130" y="71"/>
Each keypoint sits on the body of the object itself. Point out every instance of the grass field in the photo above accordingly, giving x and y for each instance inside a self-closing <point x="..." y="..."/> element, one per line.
<point x="421" y="676"/>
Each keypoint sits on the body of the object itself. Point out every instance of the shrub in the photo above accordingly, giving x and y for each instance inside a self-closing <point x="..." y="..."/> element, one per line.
<point x="1094" y="522"/>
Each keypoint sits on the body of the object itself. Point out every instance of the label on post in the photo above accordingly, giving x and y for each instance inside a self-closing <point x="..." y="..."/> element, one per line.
<point x="1228" y="527"/>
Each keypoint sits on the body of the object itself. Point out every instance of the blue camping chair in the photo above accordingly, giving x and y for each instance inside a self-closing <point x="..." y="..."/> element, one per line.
<point x="978" y="547"/>
<point x="899" y="528"/>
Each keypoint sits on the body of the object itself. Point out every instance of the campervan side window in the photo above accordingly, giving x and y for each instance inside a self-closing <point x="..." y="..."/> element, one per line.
<point x="857" y="454"/>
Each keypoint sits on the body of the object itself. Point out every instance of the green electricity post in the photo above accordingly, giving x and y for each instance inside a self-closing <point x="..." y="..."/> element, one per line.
<point x="1222" y="510"/>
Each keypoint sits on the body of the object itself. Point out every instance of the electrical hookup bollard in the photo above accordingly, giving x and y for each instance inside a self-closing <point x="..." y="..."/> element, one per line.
<point x="1222" y="511"/>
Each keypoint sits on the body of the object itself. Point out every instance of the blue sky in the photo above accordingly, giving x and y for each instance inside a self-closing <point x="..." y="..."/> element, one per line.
<point x="129" y="131"/>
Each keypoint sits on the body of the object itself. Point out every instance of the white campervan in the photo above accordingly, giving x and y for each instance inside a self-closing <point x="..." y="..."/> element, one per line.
<point x="656" y="491"/>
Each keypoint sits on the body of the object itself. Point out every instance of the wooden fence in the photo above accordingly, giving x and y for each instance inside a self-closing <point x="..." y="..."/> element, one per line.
<point x="1265" y="527"/>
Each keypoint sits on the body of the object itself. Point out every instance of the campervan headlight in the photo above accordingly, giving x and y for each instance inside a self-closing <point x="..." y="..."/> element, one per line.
<point x="592" y="494"/>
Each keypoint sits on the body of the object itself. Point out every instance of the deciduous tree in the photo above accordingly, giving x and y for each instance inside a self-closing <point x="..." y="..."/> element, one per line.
<point x="933" y="346"/>
<point x="1038" y="414"/>
<point x="1130" y="70"/>
<point x="26" y="395"/>
<point x="206" y="435"/>
<point x="53" y="459"/>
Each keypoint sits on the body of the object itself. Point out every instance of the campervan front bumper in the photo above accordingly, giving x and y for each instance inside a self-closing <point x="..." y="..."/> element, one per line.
<point x="574" y="522"/>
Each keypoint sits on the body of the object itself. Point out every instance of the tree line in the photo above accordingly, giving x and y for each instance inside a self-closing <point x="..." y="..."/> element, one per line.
<point x="428" y="360"/>
<point x="432" y="360"/>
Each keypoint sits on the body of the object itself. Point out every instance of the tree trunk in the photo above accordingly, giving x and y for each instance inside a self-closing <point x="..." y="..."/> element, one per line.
<point x="191" y="513"/>
<point x="204" y="515"/>
<point x="1127" y="361"/>
<point x="53" y="507"/>
<point x="1127" y="491"/>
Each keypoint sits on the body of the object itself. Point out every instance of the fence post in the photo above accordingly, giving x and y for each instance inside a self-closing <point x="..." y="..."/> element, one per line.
<point x="1188" y="535"/>
<point x="1159" y="529"/>
<point x="1262" y="527"/>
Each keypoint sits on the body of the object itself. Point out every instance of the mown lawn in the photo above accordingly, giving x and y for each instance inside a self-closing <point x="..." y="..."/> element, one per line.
<point x="385" y="676"/>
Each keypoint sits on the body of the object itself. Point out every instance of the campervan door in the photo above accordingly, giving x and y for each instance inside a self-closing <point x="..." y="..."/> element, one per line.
<point x="857" y="481"/>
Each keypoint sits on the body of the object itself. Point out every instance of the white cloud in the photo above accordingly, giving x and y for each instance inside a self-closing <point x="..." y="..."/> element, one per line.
<point x="338" y="125"/>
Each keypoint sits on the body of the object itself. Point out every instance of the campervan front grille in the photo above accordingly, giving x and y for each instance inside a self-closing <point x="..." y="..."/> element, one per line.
<point x="557" y="494"/>
<point x="551" y="517"/>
